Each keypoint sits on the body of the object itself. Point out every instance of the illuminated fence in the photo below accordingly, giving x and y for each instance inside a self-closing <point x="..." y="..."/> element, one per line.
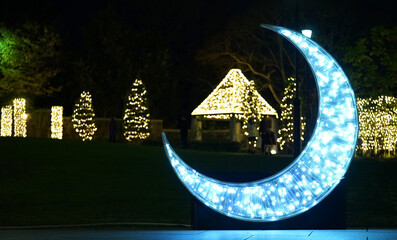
<point x="20" y="117"/>
<point x="6" y="121"/>
<point x="56" y="122"/>
<point x="378" y="125"/>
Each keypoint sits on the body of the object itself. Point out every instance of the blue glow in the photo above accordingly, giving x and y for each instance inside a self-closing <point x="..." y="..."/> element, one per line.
<point x="313" y="174"/>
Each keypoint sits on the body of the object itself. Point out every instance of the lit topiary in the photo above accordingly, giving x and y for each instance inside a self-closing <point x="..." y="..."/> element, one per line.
<point x="83" y="117"/>
<point x="6" y="121"/>
<point x="286" y="130"/>
<point x="378" y="125"/>
<point x="250" y="108"/>
<point x="56" y="122"/>
<point x="20" y="117"/>
<point x="136" y="117"/>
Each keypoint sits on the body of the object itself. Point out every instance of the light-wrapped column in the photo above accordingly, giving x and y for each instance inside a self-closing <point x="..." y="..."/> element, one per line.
<point x="20" y="117"/>
<point x="56" y="122"/>
<point x="6" y="121"/>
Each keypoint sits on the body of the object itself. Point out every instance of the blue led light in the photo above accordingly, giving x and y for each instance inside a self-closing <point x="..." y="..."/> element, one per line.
<point x="316" y="171"/>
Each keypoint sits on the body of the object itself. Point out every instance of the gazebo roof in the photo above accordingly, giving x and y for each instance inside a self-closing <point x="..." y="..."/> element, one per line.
<point x="227" y="99"/>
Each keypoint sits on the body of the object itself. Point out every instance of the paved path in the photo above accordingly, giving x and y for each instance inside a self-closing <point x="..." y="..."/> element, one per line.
<point x="90" y="234"/>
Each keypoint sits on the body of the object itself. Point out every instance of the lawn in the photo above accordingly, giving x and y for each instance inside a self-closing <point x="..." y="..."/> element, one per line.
<point x="45" y="182"/>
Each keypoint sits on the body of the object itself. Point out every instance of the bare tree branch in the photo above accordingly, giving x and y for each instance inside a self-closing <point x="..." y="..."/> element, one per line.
<point x="251" y="68"/>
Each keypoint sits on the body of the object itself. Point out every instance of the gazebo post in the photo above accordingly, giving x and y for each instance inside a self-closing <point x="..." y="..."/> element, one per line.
<point x="197" y="128"/>
<point x="234" y="129"/>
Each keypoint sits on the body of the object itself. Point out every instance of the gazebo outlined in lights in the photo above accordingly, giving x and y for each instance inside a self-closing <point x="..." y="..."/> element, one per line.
<point x="226" y="103"/>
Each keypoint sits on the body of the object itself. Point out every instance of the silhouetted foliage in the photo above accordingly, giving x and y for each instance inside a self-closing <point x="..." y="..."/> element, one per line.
<point x="29" y="60"/>
<point x="373" y="62"/>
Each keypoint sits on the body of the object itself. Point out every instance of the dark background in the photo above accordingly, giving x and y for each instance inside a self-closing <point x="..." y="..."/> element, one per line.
<point x="171" y="45"/>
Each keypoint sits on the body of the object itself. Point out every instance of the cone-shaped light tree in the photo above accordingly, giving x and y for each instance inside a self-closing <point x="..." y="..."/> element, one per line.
<point x="136" y="118"/>
<point x="287" y="121"/>
<point x="83" y="117"/>
<point x="250" y="108"/>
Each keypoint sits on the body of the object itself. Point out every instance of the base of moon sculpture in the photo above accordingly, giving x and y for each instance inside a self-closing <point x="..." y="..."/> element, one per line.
<point x="312" y="175"/>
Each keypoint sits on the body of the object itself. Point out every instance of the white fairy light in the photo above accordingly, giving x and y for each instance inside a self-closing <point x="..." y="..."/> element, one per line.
<point x="286" y="131"/>
<point x="6" y="121"/>
<point x="83" y="117"/>
<point x="315" y="172"/>
<point x="20" y="117"/>
<point x="227" y="99"/>
<point x="136" y="115"/>
<point x="378" y="124"/>
<point x="56" y="122"/>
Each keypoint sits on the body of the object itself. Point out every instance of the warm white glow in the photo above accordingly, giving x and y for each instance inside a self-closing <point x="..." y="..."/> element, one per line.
<point x="136" y="115"/>
<point x="20" y="117"/>
<point x="6" y="121"/>
<point x="56" y="122"/>
<point x="378" y="124"/>
<point x="315" y="172"/>
<point x="83" y="117"/>
<point x="286" y="130"/>
<point x="307" y="33"/>
<point x="227" y="99"/>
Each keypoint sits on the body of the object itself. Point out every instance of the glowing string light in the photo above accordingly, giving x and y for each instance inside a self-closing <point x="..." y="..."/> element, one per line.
<point x="136" y="116"/>
<point x="83" y="117"/>
<point x="287" y="120"/>
<point x="378" y="124"/>
<point x="6" y="121"/>
<point x="56" y="122"/>
<point x="227" y="99"/>
<point x="20" y="117"/>
<point x="251" y="115"/>
<point x="313" y="174"/>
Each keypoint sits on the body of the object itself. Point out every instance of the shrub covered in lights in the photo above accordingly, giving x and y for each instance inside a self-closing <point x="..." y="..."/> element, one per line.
<point x="6" y="121"/>
<point x="250" y="107"/>
<point x="378" y="125"/>
<point x="20" y="117"/>
<point x="56" y="122"/>
<point x="83" y="117"/>
<point x="136" y="118"/>
<point x="286" y="130"/>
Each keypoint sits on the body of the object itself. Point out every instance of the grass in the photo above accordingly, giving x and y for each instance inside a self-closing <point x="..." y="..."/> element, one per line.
<point x="65" y="182"/>
<point x="44" y="182"/>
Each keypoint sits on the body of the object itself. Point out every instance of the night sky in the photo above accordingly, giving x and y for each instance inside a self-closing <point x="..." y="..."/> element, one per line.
<point x="73" y="14"/>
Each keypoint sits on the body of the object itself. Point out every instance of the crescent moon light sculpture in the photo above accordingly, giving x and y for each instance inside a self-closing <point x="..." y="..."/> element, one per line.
<point x="312" y="175"/>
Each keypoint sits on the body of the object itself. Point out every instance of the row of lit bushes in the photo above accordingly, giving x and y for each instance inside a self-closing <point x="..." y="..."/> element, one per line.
<point x="135" y="121"/>
<point x="14" y="120"/>
<point x="377" y="120"/>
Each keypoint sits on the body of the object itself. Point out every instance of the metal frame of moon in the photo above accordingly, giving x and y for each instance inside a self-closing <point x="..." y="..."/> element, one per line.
<point x="312" y="175"/>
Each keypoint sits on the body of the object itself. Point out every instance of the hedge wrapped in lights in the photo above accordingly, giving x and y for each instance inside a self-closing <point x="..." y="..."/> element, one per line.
<point x="378" y="125"/>
<point x="20" y="117"/>
<point x="6" y="121"/>
<point x="56" y="122"/>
